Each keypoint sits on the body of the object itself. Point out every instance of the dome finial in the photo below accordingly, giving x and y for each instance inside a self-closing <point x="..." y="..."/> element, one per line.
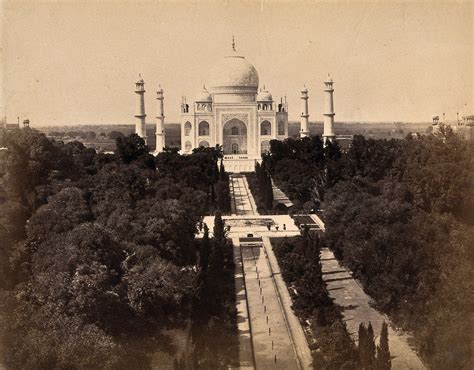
<point x="233" y="43"/>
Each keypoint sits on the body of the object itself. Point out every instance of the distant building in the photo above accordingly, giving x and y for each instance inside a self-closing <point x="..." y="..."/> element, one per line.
<point x="10" y="126"/>
<point x="464" y="126"/>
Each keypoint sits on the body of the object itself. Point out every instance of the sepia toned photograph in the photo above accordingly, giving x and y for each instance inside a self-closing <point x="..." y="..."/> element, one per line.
<point x="237" y="184"/>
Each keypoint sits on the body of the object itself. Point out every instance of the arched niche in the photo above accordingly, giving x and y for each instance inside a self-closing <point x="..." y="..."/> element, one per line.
<point x="235" y="137"/>
<point x="265" y="128"/>
<point x="187" y="128"/>
<point x="203" y="128"/>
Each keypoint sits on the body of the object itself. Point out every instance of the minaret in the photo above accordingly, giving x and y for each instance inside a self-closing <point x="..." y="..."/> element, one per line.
<point x="304" y="113"/>
<point x="160" y="122"/>
<point x="140" y="127"/>
<point x="328" y="133"/>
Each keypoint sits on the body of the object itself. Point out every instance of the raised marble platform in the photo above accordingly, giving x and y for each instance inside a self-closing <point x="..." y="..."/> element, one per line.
<point x="237" y="163"/>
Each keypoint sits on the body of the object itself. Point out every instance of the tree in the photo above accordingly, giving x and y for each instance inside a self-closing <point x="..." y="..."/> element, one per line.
<point x="383" y="351"/>
<point x="204" y="250"/>
<point x="366" y="347"/>
<point x="63" y="212"/>
<point x="158" y="290"/>
<point x="223" y="196"/>
<point x="363" y="347"/>
<point x="219" y="232"/>
<point x="257" y="169"/>
<point x="31" y="158"/>
<point x="131" y="148"/>
<point x="268" y="192"/>
<point x="222" y="174"/>
<point x="216" y="261"/>
<point x="108" y="254"/>
<point x="371" y="350"/>
<point x="13" y="217"/>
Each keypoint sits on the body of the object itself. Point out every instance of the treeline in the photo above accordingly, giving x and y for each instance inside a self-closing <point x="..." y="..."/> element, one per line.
<point x="303" y="169"/>
<point x="400" y="215"/>
<point x="331" y="345"/>
<point x="99" y="259"/>
<point x="401" y="219"/>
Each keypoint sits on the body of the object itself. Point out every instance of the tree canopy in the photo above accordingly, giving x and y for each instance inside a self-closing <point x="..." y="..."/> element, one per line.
<point x="399" y="214"/>
<point x="100" y="250"/>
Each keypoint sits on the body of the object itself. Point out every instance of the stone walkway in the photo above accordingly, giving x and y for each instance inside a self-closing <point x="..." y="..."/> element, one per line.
<point x="272" y="343"/>
<point x="242" y="203"/>
<point x="246" y="358"/>
<point x="294" y="326"/>
<point x="348" y="294"/>
<point x="280" y="197"/>
<point x="270" y="335"/>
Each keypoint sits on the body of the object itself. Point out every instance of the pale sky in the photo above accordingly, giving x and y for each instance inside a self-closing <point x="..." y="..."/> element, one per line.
<point x="75" y="62"/>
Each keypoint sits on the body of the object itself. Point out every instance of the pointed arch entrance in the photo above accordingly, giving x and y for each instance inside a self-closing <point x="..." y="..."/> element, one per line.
<point x="235" y="137"/>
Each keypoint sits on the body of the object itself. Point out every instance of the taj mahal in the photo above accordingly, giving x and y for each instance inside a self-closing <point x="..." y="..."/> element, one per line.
<point x="234" y="113"/>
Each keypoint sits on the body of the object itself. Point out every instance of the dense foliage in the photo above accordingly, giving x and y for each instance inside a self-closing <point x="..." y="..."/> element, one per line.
<point x="99" y="254"/>
<point x="400" y="215"/>
<point x="303" y="169"/>
<point x="331" y="345"/>
<point x="214" y="309"/>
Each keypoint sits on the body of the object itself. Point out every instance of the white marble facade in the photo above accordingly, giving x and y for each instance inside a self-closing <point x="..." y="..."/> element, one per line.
<point x="234" y="114"/>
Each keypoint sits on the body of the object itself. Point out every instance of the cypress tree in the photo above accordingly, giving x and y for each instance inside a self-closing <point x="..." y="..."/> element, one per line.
<point x="370" y="345"/>
<point x="219" y="196"/>
<point x="257" y="169"/>
<point x="212" y="193"/>
<point x="216" y="261"/>
<point x="261" y="179"/>
<point x="215" y="172"/>
<point x="306" y="241"/>
<point x="219" y="227"/>
<point x="268" y="192"/>
<point x="316" y="247"/>
<point x="383" y="352"/>
<point x="204" y="250"/>
<point x="201" y="289"/>
<point x="226" y="200"/>
<point x="222" y="174"/>
<point x="223" y="196"/>
<point x="362" y="348"/>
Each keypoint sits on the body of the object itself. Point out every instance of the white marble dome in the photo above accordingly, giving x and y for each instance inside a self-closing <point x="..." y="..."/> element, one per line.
<point x="233" y="73"/>
<point x="264" y="95"/>
<point x="204" y="96"/>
